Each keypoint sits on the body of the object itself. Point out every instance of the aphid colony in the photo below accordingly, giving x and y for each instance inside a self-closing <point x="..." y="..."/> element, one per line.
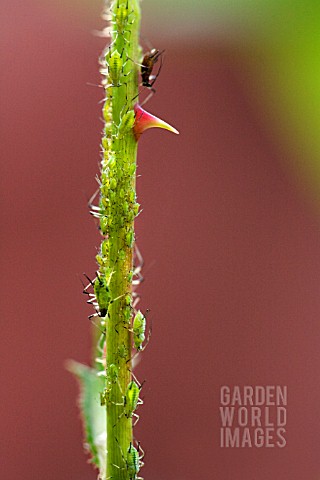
<point x="116" y="65"/>
<point x="100" y="298"/>
<point x="112" y="293"/>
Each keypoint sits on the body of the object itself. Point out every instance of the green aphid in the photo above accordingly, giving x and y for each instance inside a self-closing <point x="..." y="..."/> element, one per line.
<point x="131" y="399"/>
<point x="132" y="195"/>
<point x="139" y="323"/>
<point x="102" y="293"/>
<point x="132" y="169"/>
<point x="125" y="207"/>
<point x="105" y="143"/>
<point x="104" y="179"/>
<point x="112" y="374"/>
<point x="126" y="123"/>
<point x="105" y="189"/>
<point x="105" y="248"/>
<point x="112" y="162"/>
<point x="104" y="225"/>
<point x="100" y="260"/>
<point x="112" y="379"/>
<point x="127" y="312"/>
<point x="105" y="204"/>
<point x="138" y="341"/>
<point x="133" y="462"/>
<point x="122" y="255"/>
<point x="115" y="68"/>
<point x="123" y="351"/>
<point x="139" y="328"/>
<point x="119" y="173"/>
<point x="112" y="195"/>
<point x="121" y="16"/>
<point x="121" y="19"/>
<point x="136" y="207"/>
<point x="121" y="221"/>
<point x="113" y="183"/>
<point x="130" y="239"/>
<point x="130" y="216"/>
<point x="128" y="299"/>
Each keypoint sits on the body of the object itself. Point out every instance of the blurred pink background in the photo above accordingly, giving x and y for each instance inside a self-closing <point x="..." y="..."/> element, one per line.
<point x="229" y="235"/>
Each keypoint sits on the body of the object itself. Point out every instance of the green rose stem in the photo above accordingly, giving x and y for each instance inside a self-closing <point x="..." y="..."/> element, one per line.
<point x="118" y="209"/>
<point x="108" y="420"/>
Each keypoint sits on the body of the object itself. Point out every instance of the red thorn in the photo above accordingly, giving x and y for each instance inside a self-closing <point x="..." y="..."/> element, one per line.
<point x="145" y="120"/>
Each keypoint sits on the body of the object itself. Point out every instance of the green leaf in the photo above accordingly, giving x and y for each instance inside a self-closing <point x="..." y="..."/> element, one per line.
<point x="93" y="414"/>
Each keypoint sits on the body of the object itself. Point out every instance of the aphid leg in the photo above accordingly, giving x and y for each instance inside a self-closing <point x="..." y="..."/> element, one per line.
<point x="146" y="342"/>
<point x="153" y="91"/>
<point x="101" y="351"/>
<point x="139" y="449"/>
<point x="136" y="299"/>
<point x="92" y="198"/>
<point x="136" y="63"/>
<point x="153" y="78"/>
<point x="137" y="418"/>
<point x="137" y="254"/>
<point x="123" y="457"/>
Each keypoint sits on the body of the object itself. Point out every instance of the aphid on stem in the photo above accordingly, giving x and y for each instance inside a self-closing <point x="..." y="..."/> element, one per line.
<point x="133" y="461"/>
<point x="139" y="330"/>
<point x="120" y="18"/>
<point x="113" y="69"/>
<point x="149" y="60"/>
<point x="131" y="400"/>
<point x="101" y="296"/>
